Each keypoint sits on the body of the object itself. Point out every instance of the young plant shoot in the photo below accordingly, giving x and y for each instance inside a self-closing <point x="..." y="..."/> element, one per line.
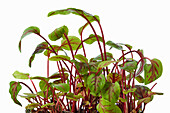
<point x="102" y="84"/>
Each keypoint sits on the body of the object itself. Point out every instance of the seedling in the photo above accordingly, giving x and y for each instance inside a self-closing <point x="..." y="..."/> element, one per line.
<point x="101" y="84"/>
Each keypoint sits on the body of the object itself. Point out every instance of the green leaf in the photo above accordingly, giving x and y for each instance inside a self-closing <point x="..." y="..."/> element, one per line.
<point x="144" y="100"/>
<point x="43" y="93"/>
<point x="29" y="30"/>
<point x="62" y="87"/>
<point x="58" y="75"/>
<point x="92" y="38"/>
<point x="59" y="57"/>
<point x="14" y="89"/>
<point x="32" y="106"/>
<point x="78" y="12"/>
<point x="81" y="58"/>
<point x="96" y="83"/>
<point x="108" y="55"/>
<point x="39" y="49"/>
<point x="153" y="71"/>
<point x="129" y="90"/>
<point x="129" y="66"/>
<point x="57" y="81"/>
<point x="122" y="99"/>
<point x="111" y="92"/>
<point x="141" y="92"/>
<point x="74" y="42"/>
<point x="127" y="45"/>
<point x="139" y="79"/>
<point x="114" y="76"/>
<point x="71" y="96"/>
<point x="72" y="11"/>
<point x="31" y="59"/>
<point x="81" y="67"/>
<point x="28" y="95"/>
<point x="93" y="66"/>
<point x="47" y="105"/>
<point x="19" y="75"/>
<point x="105" y="106"/>
<point x="58" y="33"/>
<point x="43" y="85"/>
<point x="114" y="45"/>
<point x="104" y="64"/>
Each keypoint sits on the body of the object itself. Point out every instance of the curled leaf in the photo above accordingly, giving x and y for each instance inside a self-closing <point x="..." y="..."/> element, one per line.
<point x="92" y="38"/>
<point x="29" y="30"/>
<point x="39" y="49"/>
<point x="112" y="44"/>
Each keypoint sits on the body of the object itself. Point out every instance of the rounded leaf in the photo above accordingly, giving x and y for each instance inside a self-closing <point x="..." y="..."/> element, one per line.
<point x="152" y="71"/>
<point x="58" y="33"/>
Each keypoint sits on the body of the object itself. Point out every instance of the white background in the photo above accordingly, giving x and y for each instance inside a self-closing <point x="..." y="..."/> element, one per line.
<point x="144" y="24"/>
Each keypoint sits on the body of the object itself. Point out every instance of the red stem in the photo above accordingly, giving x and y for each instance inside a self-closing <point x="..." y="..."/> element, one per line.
<point x="29" y="89"/>
<point x="153" y="86"/>
<point x="139" y="53"/>
<point x="104" y="46"/>
<point x="48" y="66"/>
<point x="69" y="45"/>
<point x="36" y="91"/>
<point x="81" y="35"/>
<point x="94" y="34"/>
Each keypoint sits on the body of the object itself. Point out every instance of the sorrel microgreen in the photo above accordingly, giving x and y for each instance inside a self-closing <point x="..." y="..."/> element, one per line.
<point x="101" y="84"/>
